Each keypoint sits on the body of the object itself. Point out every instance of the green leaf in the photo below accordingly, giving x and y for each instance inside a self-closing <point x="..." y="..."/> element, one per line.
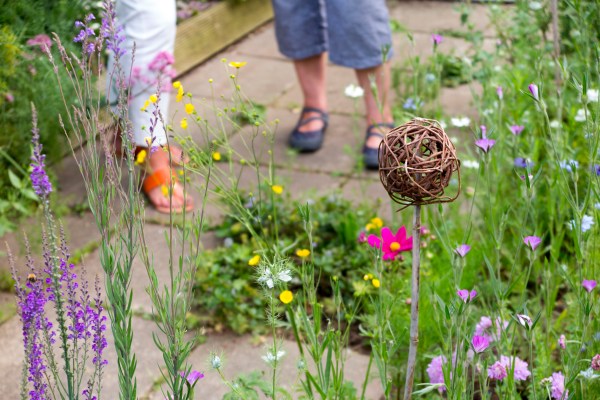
<point x="14" y="179"/>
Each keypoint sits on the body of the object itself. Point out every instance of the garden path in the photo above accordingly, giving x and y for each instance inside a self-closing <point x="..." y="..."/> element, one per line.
<point x="267" y="79"/>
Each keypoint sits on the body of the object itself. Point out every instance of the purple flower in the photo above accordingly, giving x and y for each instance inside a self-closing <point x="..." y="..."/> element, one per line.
<point x="466" y="296"/>
<point x="516" y="129"/>
<point x="42" y="40"/>
<point x="485" y="144"/>
<point x="533" y="89"/>
<point x="111" y="31"/>
<point x="596" y="169"/>
<point x="589" y="285"/>
<point x="521" y="372"/>
<point x="497" y="371"/>
<point x="39" y="178"/>
<point x="480" y="343"/>
<point x="532" y="241"/>
<point x="483" y="131"/>
<point x="462" y="250"/>
<point x="484" y="328"/>
<point x="9" y="97"/>
<point x="499" y="92"/>
<point x="362" y="237"/>
<point x="192" y="377"/>
<point x="525" y="320"/>
<point x="562" y="342"/>
<point x="521" y="162"/>
<point x="437" y="39"/>
<point x="436" y="373"/>
<point x="557" y="381"/>
<point x="596" y="362"/>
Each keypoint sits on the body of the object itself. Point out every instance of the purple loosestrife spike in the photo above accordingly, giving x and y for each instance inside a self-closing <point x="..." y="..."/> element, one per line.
<point x="533" y="89"/>
<point x="111" y="31"/>
<point x="462" y="250"/>
<point x="480" y="343"/>
<point x="532" y="241"/>
<point x="499" y="92"/>
<point x="485" y="144"/>
<point x="39" y="178"/>
<point x="516" y="129"/>
<point x="589" y="285"/>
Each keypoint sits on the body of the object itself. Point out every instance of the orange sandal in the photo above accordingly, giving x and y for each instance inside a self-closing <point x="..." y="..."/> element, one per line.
<point x="165" y="179"/>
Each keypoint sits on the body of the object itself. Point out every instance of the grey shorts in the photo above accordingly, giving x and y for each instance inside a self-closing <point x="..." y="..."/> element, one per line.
<point x="354" y="32"/>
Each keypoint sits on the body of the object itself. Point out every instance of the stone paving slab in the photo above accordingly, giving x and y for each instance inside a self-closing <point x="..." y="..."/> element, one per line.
<point x="240" y="356"/>
<point x="422" y="46"/>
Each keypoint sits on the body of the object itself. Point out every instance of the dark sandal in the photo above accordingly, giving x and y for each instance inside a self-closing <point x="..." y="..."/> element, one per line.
<point x="370" y="154"/>
<point x="309" y="141"/>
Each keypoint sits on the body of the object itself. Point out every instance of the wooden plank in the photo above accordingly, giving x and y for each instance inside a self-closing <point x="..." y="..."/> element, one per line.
<point x="207" y="33"/>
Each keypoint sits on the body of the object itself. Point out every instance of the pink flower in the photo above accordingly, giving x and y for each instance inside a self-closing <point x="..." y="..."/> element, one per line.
<point x="588" y="285"/>
<point x="558" y="386"/>
<point x="562" y="342"/>
<point x="391" y="244"/>
<point x="532" y="241"/>
<point x="436" y="39"/>
<point x="9" y="97"/>
<point x="42" y="40"/>
<point x="480" y="343"/>
<point x="524" y="320"/>
<point x="161" y="61"/>
<point x="362" y="237"/>
<point x="521" y="372"/>
<point x="466" y="296"/>
<point x="596" y="362"/>
<point x="533" y="89"/>
<point x="497" y="371"/>
<point x="483" y="328"/>
<point x="462" y="250"/>
<point x="435" y="371"/>
<point x="485" y="144"/>
<point x="192" y="377"/>
<point x="499" y="92"/>
<point x="516" y="129"/>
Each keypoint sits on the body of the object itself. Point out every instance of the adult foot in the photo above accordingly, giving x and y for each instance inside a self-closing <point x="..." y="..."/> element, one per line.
<point x="309" y="132"/>
<point x="163" y="189"/>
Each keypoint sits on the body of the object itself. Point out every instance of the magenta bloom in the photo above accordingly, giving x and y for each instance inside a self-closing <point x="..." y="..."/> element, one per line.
<point x="521" y="371"/>
<point x="435" y="371"/>
<point x="562" y="342"/>
<point x="391" y="244"/>
<point x="499" y="92"/>
<point x="497" y="371"/>
<point x="532" y="241"/>
<point x="484" y="328"/>
<point x="466" y="296"/>
<point x="437" y="39"/>
<point x="557" y="381"/>
<point x="596" y="362"/>
<point x="462" y="250"/>
<point x="485" y="144"/>
<point x="480" y="343"/>
<point x="192" y="377"/>
<point x="362" y="237"/>
<point x="533" y="89"/>
<point x="589" y="285"/>
<point x="516" y="129"/>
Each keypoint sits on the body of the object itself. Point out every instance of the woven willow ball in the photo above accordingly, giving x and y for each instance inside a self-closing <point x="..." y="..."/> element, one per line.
<point x="416" y="163"/>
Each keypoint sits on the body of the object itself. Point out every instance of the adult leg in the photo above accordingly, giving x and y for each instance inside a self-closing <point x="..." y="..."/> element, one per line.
<point x="312" y="77"/>
<point x="378" y="108"/>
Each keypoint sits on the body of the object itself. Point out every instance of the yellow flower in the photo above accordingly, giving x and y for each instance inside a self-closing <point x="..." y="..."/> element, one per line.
<point x="153" y="98"/>
<point x="141" y="157"/>
<point x="183" y="123"/>
<point x="216" y="156"/>
<point x="254" y="261"/>
<point x="378" y="222"/>
<point x="376" y="282"/>
<point x="189" y="108"/>
<point x="369" y="227"/>
<point x="146" y="104"/>
<point x="177" y="84"/>
<point x="237" y="64"/>
<point x="366" y="277"/>
<point x="302" y="253"/>
<point x="148" y="141"/>
<point x="286" y="297"/>
<point x="179" y="94"/>
<point x="165" y="190"/>
<point x="277" y="189"/>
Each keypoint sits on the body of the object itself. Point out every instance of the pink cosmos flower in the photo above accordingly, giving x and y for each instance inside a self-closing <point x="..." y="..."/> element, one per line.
<point x="533" y="89"/>
<point x="589" y="285"/>
<point x="557" y="381"/>
<point x="435" y="371"/>
<point x="462" y="250"/>
<point x="391" y="244"/>
<point x="521" y="372"/>
<point x="466" y="296"/>
<point x="532" y="241"/>
<point x="497" y="371"/>
<point x="480" y="343"/>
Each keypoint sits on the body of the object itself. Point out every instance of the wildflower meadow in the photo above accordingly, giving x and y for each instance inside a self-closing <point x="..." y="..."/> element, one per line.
<point x="488" y="291"/>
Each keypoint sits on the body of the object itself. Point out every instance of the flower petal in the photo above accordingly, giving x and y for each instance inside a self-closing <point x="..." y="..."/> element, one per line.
<point x="374" y="241"/>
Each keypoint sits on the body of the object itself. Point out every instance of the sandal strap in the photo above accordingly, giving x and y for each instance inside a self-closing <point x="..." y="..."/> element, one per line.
<point x="372" y="129"/>
<point x="323" y="114"/>
<point x="159" y="177"/>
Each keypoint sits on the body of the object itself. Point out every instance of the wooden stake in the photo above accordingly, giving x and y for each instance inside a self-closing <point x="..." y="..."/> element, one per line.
<point x="414" y="305"/>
